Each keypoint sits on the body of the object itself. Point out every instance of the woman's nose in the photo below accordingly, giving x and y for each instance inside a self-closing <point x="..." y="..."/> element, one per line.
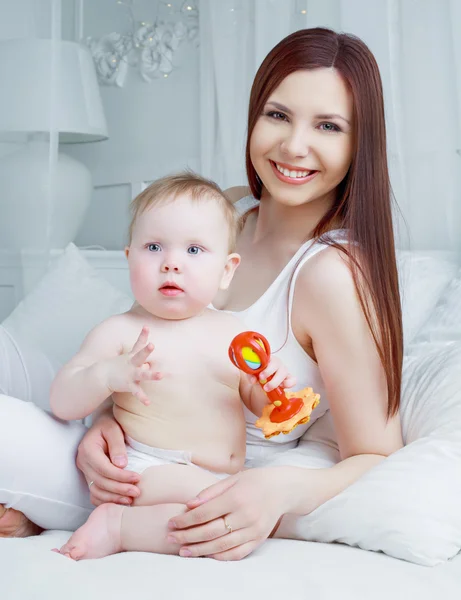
<point x="296" y="144"/>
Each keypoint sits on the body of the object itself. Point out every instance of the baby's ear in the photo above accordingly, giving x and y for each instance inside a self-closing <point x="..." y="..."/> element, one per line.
<point x="232" y="262"/>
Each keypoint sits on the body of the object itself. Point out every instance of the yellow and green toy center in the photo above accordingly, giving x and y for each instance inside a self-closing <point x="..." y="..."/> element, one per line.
<point x="250" y="356"/>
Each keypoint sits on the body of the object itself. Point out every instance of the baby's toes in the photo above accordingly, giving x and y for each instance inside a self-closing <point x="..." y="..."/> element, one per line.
<point x="77" y="552"/>
<point x="66" y="550"/>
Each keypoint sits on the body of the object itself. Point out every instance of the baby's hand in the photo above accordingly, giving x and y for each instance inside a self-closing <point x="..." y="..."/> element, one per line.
<point x="126" y="372"/>
<point x="280" y="373"/>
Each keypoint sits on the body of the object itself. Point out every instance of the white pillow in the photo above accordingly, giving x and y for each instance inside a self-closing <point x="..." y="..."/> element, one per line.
<point x="423" y="277"/>
<point x="409" y="505"/>
<point x="65" y="305"/>
<point x="444" y="323"/>
<point x="25" y="372"/>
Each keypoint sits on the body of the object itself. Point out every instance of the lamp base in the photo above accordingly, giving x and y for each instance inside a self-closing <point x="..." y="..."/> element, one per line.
<point x="42" y="203"/>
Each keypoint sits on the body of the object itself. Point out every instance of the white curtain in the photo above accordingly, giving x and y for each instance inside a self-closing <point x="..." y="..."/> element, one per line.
<point x="417" y="44"/>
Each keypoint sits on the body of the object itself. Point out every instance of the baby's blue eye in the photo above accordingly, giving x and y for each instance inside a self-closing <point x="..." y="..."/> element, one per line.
<point x="194" y="250"/>
<point x="153" y="247"/>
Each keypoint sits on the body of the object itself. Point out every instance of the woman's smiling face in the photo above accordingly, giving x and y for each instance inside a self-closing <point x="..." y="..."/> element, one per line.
<point x="302" y="144"/>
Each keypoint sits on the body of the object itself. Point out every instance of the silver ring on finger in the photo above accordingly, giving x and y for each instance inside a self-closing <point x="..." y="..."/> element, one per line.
<point x="227" y="526"/>
<point x="90" y="484"/>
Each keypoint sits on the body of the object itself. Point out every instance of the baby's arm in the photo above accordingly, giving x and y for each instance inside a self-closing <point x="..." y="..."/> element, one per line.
<point x="252" y="395"/>
<point x="81" y="385"/>
<point x="99" y="369"/>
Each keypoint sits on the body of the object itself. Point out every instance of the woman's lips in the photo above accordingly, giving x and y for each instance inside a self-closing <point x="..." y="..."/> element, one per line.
<point x="292" y="180"/>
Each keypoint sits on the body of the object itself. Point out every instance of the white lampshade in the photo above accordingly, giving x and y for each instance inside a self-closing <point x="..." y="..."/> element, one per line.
<point x="47" y="86"/>
<point x="50" y="85"/>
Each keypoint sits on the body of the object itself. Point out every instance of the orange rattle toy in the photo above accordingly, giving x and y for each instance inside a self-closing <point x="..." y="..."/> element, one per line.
<point x="250" y="352"/>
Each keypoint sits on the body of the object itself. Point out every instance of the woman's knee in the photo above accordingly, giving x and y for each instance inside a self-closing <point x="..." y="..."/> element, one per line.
<point x="28" y="431"/>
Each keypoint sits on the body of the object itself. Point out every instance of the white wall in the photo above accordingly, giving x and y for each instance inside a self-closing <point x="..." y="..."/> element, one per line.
<point x="153" y="127"/>
<point x="23" y="19"/>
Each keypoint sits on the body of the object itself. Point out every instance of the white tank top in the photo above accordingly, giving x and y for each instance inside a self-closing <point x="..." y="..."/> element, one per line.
<point x="271" y="316"/>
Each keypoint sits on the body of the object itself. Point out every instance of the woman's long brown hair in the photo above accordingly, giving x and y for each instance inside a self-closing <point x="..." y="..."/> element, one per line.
<point x="363" y="203"/>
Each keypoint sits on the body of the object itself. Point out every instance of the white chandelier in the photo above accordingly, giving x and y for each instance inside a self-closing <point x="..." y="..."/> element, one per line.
<point x="149" y="47"/>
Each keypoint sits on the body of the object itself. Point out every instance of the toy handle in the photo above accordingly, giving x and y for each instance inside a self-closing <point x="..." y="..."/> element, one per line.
<point x="275" y="396"/>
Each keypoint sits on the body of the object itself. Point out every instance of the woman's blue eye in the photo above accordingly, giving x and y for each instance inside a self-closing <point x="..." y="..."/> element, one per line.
<point x="329" y="127"/>
<point x="194" y="250"/>
<point x="153" y="247"/>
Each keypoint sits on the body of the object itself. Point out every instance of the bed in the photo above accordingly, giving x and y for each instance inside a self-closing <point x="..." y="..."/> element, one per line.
<point x="396" y="533"/>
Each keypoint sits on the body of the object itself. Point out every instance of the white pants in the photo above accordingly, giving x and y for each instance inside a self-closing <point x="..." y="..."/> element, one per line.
<point x="39" y="477"/>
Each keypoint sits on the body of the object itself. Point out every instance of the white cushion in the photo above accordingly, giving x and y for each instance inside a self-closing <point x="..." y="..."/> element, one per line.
<point x="423" y="279"/>
<point x="409" y="505"/>
<point x="65" y="305"/>
<point x="444" y="322"/>
<point x="25" y="371"/>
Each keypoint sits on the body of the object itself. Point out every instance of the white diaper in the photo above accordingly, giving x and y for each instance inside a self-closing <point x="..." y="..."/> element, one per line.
<point x="142" y="456"/>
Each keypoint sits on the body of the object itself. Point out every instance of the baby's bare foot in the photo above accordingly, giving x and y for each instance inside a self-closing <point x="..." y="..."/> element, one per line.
<point x="14" y="524"/>
<point x="100" y="536"/>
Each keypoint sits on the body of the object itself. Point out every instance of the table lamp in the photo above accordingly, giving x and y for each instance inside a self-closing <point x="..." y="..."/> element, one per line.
<point x="46" y="86"/>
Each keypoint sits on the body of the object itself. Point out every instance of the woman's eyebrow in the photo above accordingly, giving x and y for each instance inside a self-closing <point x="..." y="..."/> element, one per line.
<point x="285" y="109"/>
<point x="332" y="116"/>
<point x="280" y="107"/>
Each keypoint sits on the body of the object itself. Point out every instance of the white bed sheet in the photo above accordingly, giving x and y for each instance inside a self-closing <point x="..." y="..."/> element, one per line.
<point x="280" y="569"/>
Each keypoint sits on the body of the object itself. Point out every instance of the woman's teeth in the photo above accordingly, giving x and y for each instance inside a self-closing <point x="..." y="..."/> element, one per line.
<point x="294" y="174"/>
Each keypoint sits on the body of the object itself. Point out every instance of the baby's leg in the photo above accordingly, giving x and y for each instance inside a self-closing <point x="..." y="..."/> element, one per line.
<point x="167" y="484"/>
<point x="112" y="528"/>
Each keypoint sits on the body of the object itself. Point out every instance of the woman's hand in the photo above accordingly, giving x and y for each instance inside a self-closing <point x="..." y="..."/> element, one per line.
<point x="101" y="457"/>
<point x="231" y="518"/>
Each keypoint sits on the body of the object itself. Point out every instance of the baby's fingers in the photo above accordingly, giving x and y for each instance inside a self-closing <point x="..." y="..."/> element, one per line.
<point x="150" y="376"/>
<point x="273" y="366"/>
<point x="289" y="382"/>
<point x="140" y="357"/>
<point x="276" y="380"/>
<point x="141" y="395"/>
<point x="141" y="341"/>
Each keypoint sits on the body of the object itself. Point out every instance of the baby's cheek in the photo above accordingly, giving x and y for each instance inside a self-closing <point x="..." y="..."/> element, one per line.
<point x="139" y="277"/>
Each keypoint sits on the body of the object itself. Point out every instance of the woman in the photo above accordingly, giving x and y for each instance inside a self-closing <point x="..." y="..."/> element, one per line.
<point x="318" y="278"/>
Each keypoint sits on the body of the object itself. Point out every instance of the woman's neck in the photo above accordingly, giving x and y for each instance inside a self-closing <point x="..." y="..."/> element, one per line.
<point x="288" y="225"/>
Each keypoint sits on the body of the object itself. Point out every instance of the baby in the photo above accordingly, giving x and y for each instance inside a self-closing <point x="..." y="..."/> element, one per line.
<point x="176" y="394"/>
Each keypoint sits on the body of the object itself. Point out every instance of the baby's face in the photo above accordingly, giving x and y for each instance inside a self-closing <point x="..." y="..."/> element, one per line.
<point x="179" y="257"/>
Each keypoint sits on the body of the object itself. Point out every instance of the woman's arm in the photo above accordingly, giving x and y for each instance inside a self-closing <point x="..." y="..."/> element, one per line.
<point x="327" y="309"/>
<point x="326" y="312"/>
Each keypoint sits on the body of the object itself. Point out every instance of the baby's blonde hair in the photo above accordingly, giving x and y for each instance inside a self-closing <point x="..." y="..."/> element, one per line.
<point x="168" y="188"/>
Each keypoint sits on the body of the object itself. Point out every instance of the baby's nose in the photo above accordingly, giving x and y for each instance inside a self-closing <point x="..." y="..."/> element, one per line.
<point x="170" y="267"/>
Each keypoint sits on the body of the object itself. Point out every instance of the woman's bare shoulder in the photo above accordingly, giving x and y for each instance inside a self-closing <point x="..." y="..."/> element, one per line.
<point x="329" y="270"/>
<point x="237" y="192"/>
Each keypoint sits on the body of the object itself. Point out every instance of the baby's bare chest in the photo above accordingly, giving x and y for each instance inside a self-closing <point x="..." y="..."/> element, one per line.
<point x="182" y="351"/>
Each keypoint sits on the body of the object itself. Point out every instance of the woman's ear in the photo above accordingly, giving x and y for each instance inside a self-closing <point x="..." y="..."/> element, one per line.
<point x="232" y="262"/>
